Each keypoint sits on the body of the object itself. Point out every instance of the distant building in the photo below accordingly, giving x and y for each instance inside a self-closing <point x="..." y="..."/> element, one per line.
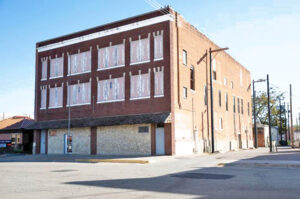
<point x="135" y="87"/>
<point x="263" y="135"/>
<point x="14" y="135"/>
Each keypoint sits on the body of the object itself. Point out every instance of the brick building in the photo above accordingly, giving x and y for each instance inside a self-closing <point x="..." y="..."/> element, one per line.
<point x="135" y="87"/>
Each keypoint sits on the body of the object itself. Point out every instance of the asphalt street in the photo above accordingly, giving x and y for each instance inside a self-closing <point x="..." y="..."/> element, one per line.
<point x="194" y="176"/>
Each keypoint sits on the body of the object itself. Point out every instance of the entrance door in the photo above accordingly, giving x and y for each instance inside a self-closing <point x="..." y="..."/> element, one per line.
<point x="160" y="141"/>
<point x="240" y="141"/>
<point x="43" y="142"/>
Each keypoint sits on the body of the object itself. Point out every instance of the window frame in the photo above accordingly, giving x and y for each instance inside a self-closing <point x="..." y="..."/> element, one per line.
<point x="184" y="57"/>
<point x="185" y="95"/>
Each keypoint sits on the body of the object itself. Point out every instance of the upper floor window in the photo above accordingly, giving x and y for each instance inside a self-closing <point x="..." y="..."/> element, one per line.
<point x="231" y="84"/>
<point x="57" y="67"/>
<point x="214" y="72"/>
<point x="225" y="81"/>
<point x="184" y="57"/>
<point x="56" y="97"/>
<point x="184" y="92"/>
<point x="233" y="104"/>
<point x="111" y="56"/>
<point x="192" y="77"/>
<point x="43" y="97"/>
<point x="44" y="68"/>
<point x="79" y="63"/>
<point x="220" y="98"/>
<point x="226" y="101"/>
<point x="248" y="109"/>
<point x="242" y="106"/>
<point x="158" y="82"/>
<point x="111" y="90"/>
<point x="158" y="46"/>
<point x="140" y="50"/>
<point x="238" y="104"/>
<point x="79" y="94"/>
<point x="140" y="85"/>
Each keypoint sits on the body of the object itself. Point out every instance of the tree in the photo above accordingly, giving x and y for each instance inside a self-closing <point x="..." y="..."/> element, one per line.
<point x="261" y="106"/>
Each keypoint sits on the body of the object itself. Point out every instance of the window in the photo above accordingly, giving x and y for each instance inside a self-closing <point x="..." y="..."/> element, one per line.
<point x="226" y="101"/>
<point x="57" y="67"/>
<point x="238" y="104"/>
<point x="111" y="90"/>
<point x="205" y="95"/>
<point x="225" y="81"/>
<point x="242" y="106"/>
<point x="43" y="97"/>
<point x="143" y="129"/>
<point x="221" y="123"/>
<point x="111" y="57"/>
<point x="56" y="97"/>
<point x="248" y="109"/>
<point x="140" y="50"/>
<point x="214" y="66"/>
<point x="79" y="63"/>
<point x="158" y="82"/>
<point x="158" y="46"/>
<point x="232" y="84"/>
<point x="79" y="94"/>
<point x="140" y="86"/>
<point x="44" y="68"/>
<point x="192" y="76"/>
<point x="184" y="92"/>
<point x="184" y="57"/>
<point x="233" y="104"/>
<point x="220" y="98"/>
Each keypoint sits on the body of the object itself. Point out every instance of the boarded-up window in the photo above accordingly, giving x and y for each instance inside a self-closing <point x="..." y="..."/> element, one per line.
<point x="56" y="67"/>
<point x="43" y="98"/>
<point x="111" y="56"/>
<point x="44" y="69"/>
<point x="140" y="50"/>
<point x="79" y="63"/>
<point x="158" y="83"/>
<point x="158" y="47"/>
<point x="79" y="94"/>
<point x="140" y="86"/>
<point x="56" y="97"/>
<point x="110" y="90"/>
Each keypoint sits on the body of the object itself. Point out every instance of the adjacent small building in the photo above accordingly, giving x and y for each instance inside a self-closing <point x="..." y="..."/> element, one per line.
<point x="138" y="87"/>
<point x="14" y="134"/>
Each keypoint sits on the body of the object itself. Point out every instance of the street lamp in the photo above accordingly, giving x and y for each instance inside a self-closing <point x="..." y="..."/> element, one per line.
<point x="254" y="110"/>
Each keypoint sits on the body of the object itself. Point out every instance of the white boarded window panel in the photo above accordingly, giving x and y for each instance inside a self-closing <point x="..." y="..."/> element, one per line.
<point x="44" y="69"/>
<point x="158" y="47"/>
<point x="140" y="50"/>
<point x="159" y="83"/>
<point x="80" y="93"/>
<point x="140" y="86"/>
<point x="43" y="98"/>
<point x="111" y="56"/>
<point x="55" y="97"/>
<point x="56" y="67"/>
<point x="110" y="90"/>
<point x="80" y="63"/>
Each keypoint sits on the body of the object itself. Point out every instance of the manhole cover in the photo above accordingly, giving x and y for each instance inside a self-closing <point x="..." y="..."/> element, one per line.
<point x="203" y="176"/>
<point x="64" y="170"/>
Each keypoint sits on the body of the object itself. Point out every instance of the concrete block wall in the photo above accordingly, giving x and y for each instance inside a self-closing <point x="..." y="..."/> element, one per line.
<point x="123" y="140"/>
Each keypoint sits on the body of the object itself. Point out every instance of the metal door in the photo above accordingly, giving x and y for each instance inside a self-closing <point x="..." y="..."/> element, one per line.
<point x="160" y="141"/>
<point x="43" y="142"/>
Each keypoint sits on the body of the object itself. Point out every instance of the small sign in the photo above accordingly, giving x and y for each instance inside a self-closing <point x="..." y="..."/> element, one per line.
<point x="2" y="145"/>
<point x="52" y="133"/>
<point x="143" y="129"/>
<point x="5" y="141"/>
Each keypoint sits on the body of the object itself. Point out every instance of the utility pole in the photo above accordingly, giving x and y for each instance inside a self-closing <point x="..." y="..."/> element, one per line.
<point x="288" y="123"/>
<point x="280" y="121"/>
<point x="254" y="115"/>
<point x="269" y="113"/>
<point x="285" y="124"/>
<point x="291" y="110"/>
<point x="211" y="97"/>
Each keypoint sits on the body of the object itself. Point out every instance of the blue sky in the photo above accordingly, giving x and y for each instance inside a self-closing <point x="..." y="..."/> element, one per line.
<point x="263" y="35"/>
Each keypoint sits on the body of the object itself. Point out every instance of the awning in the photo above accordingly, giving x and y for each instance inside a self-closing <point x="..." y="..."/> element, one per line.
<point x="103" y="121"/>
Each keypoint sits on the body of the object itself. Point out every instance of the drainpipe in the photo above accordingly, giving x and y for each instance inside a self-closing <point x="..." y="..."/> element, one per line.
<point x="178" y="68"/>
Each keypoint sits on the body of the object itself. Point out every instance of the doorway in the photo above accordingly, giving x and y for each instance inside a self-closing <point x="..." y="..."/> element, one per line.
<point x="160" y="141"/>
<point x="43" y="142"/>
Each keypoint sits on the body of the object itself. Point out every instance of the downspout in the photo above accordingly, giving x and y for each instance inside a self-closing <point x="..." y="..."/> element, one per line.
<point x="178" y="71"/>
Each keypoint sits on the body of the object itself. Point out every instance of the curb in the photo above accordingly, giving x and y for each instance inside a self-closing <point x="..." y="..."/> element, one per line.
<point x="244" y="164"/>
<point x="113" y="161"/>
